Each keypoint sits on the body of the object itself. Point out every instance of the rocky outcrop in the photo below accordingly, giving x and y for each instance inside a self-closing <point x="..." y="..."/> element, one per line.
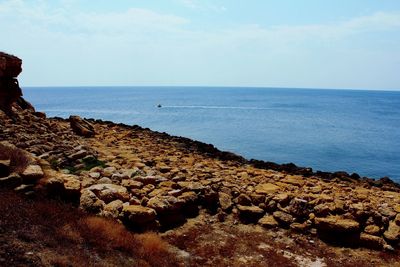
<point x="10" y="92"/>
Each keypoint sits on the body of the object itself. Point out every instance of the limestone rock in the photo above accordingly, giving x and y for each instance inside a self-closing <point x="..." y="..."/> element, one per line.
<point x="392" y="234"/>
<point x="32" y="173"/>
<point x="372" y="241"/>
<point x="165" y="204"/>
<point x="90" y="202"/>
<point x="225" y="201"/>
<point x="81" y="126"/>
<point x="337" y="224"/>
<point x="283" y="218"/>
<point x="110" y="192"/>
<point x="244" y="200"/>
<point x="113" y="209"/>
<point x="267" y="188"/>
<point x="268" y="221"/>
<point x="250" y="213"/>
<point x="72" y="186"/>
<point x="138" y="215"/>
<point x="372" y="230"/>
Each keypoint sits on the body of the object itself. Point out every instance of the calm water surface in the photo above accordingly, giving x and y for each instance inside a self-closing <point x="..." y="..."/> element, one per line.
<point x="329" y="130"/>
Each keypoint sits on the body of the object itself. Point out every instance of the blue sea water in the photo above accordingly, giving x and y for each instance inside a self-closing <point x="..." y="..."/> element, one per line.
<point x="328" y="130"/>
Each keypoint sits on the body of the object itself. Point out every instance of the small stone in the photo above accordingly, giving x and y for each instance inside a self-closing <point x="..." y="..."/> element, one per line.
<point x="244" y="200"/>
<point x="225" y="201"/>
<point x="283" y="218"/>
<point x="372" y="241"/>
<point x="372" y="230"/>
<point x="139" y="214"/>
<point x="104" y="180"/>
<point x="32" y="173"/>
<point x="267" y="188"/>
<point x="268" y="221"/>
<point x="90" y="202"/>
<point x="393" y="232"/>
<point x="94" y="175"/>
<point x="113" y="209"/>
<point x="250" y="213"/>
<point x="110" y="192"/>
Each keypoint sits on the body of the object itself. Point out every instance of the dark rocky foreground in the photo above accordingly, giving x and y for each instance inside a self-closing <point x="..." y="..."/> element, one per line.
<point x="153" y="181"/>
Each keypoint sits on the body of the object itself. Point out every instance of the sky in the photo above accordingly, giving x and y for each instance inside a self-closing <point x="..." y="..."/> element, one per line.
<point x="352" y="44"/>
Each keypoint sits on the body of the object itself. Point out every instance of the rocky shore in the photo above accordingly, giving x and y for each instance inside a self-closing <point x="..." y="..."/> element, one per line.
<point x="153" y="181"/>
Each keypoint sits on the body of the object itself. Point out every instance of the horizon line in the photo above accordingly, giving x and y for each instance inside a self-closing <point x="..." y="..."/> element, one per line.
<point x="211" y="86"/>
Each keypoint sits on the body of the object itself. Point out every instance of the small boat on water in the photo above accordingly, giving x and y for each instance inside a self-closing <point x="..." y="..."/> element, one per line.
<point x="159" y="106"/>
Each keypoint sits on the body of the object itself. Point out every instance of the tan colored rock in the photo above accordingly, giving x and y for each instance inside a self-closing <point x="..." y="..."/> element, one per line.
<point x="268" y="221"/>
<point x="90" y="202"/>
<point x="392" y="234"/>
<point x="165" y="204"/>
<point x="250" y="213"/>
<point x="32" y="173"/>
<point x="225" y="201"/>
<point x="131" y="184"/>
<point x="110" y="192"/>
<point x="267" y="189"/>
<point x="296" y="180"/>
<point x="72" y="185"/>
<point x="372" y="230"/>
<point x="372" y="241"/>
<point x="337" y="224"/>
<point x="283" y="218"/>
<point x="282" y="198"/>
<point x="81" y="126"/>
<point x="244" y="200"/>
<point x="113" y="209"/>
<point x="192" y="186"/>
<point x="138" y="214"/>
<point x="189" y="197"/>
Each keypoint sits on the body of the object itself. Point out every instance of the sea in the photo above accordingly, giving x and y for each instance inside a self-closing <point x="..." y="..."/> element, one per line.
<point x="328" y="130"/>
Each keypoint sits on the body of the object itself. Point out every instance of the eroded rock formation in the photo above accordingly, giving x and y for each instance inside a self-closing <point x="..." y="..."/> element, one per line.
<point x="10" y="92"/>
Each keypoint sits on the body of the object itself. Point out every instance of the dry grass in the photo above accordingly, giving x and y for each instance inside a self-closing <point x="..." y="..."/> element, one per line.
<point x="64" y="236"/>
<point x="19" y="159"/>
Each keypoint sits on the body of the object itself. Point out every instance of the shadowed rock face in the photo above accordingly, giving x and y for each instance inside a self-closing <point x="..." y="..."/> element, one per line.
<point x="10" y="92"/>
<point x="10" y="66"/>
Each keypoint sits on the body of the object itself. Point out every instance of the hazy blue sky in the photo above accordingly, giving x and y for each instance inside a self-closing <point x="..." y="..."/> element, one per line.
<point x="308" y="43"/>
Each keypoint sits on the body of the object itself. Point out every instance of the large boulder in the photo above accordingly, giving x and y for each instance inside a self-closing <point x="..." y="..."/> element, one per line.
<point x="81" y="126"/>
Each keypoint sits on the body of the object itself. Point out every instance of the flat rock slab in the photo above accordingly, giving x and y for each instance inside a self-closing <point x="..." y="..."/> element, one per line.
<point x="267" y="188"/>
<point x="32" y="173"/>
<point x="337" y="224"/>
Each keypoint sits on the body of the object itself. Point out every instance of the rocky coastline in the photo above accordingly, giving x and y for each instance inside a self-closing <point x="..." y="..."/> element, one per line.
<point x="154" y="181"/>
